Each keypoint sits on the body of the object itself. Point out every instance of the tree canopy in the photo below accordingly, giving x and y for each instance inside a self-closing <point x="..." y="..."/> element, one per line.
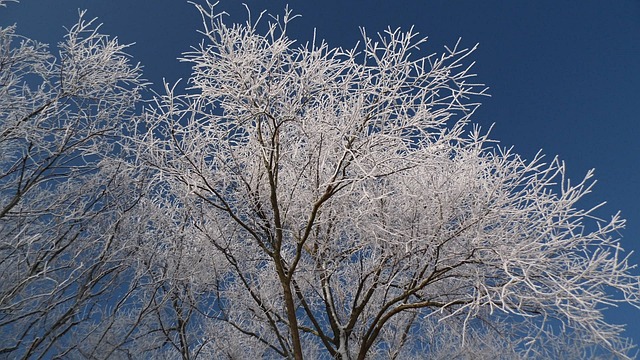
<point x="296" y="201"/>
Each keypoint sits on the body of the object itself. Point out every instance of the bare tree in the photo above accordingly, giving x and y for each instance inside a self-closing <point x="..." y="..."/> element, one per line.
<point x="63" y="186"/>
<point x="345" y="206"/>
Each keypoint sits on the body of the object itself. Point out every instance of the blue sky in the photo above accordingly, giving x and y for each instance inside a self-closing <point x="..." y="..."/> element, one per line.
<point x="564" y="75"/>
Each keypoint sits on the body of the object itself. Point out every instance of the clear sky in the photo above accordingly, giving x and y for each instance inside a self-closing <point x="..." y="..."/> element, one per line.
<point x="564" y="75"/>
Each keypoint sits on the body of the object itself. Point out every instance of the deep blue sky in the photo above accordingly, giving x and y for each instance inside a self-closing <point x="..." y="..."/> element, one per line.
<point x="564" y="75"/>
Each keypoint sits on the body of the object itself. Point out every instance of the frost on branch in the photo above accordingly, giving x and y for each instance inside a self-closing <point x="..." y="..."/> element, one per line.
<point x="3" y="3"/>
<point x="350" y="205"/>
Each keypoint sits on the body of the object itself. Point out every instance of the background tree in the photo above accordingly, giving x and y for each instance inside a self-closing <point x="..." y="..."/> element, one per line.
<point x="63" y="186"/>
<point x="349" y="205"/>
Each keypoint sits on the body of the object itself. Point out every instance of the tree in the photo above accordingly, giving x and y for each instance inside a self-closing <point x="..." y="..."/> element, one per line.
<point x="63" y="185"/>
<point x="345" y="204"/>
<point x="296" y="201"/>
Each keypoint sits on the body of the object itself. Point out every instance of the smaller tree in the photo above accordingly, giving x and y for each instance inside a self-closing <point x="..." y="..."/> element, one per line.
<point x="63" y="185"/>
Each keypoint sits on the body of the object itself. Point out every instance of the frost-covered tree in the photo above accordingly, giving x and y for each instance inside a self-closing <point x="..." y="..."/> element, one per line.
<point x="296" y="201"/>
<point x="63" y="186"/>
<point x="340" y="203"/>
